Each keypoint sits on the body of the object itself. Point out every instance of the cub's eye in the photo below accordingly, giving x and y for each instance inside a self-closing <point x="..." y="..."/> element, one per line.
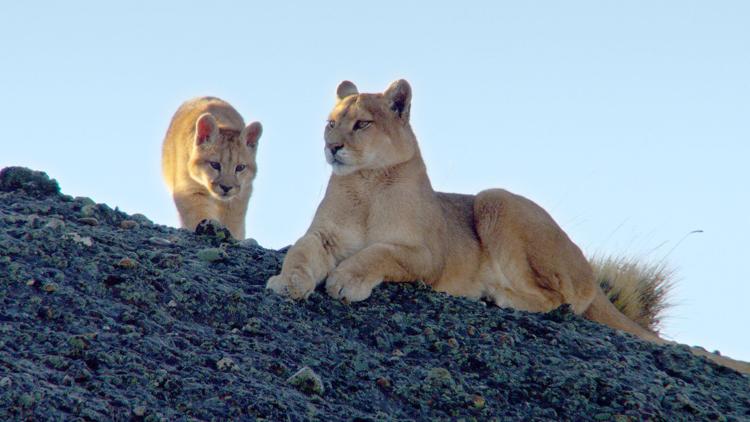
<point x="240" y="167"/>
<point x="331" y="124"/>
<point x="214" y="165"/>
<point x="362" y="124"/>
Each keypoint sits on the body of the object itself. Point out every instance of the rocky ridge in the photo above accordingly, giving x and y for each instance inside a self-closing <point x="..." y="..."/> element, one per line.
<point x="107" y="316"/>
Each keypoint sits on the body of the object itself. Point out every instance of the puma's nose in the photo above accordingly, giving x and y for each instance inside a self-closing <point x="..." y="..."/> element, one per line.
<point x="225" y="188"/>
<point x="335" y="148"/>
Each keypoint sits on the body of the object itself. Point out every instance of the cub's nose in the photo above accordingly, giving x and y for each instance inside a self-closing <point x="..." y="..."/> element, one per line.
<point x="335" y="148"/>
<point x="225" y="188"/>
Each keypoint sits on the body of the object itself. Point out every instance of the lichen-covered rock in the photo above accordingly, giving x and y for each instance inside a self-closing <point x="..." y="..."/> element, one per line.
<point x="212" y="254"/>
<point x="307" y="381"/>
<point x="138" y="325"/>
<point x="34" y="183"/>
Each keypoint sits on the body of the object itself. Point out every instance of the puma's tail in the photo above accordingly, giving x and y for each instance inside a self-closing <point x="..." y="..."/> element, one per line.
<point x="637" y="289"/>
<point x="633" y="298"/>
<point x="603" y="311"/>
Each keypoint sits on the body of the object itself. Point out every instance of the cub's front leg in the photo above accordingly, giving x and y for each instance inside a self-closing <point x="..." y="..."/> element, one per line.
<point x="356" y="276"/>
<point x="194" y="208"/>
<point x="307" y="263"/>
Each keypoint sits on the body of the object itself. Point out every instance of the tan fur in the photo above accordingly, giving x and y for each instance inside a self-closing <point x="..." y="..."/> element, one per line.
<point x="199" y="190"/>
<point x="380" y="220"/>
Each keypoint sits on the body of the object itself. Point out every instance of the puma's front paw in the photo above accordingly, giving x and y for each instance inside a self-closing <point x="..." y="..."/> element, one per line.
<point x="212" y="228"/>
<point x="294" y="285"/>
<point x="349" y="287"/>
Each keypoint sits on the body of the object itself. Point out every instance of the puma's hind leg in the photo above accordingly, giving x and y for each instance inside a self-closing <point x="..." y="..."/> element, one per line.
<point x="537" y="266"/>
<point x="529" y="263"/>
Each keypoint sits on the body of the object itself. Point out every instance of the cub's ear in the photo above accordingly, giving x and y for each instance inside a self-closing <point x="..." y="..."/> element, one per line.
<point x="205" y="129"/>
<point x="346" y="89"/>
<point x="398" y="96"/>
<point x="251" y="134"/>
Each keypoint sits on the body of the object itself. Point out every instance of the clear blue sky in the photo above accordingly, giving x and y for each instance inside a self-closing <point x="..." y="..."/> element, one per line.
<point x="628" y="121"/>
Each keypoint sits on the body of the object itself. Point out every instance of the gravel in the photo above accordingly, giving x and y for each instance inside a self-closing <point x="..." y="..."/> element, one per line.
<point x="107" y="316"/>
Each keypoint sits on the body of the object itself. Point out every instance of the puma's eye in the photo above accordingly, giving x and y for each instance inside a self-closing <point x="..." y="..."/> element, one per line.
<point x="214" y="165"/>
<point x="240" y="167"/>
<point x="331" y="124"/>
<point x="362" y="124"/>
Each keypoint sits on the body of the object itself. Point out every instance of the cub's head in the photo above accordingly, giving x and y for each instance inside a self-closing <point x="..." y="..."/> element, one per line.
<point x="223" y="160"/>
<point x="369" y="131"/>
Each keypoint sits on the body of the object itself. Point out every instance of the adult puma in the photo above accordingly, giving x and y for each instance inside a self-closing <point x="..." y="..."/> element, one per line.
<point x="381" y="220"/>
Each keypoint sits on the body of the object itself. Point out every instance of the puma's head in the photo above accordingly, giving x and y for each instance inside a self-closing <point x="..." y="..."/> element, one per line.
<point x="223" y="160"/>
<point x="369" y="131"/>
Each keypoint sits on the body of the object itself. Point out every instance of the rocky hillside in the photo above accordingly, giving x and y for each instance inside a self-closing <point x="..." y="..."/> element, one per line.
<point x="107" y="316"/>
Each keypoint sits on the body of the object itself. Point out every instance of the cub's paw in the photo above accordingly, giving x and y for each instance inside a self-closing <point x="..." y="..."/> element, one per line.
<point x="294" y="286"/>
<point x="212" y="228"/>
<point x="349" y="287"/>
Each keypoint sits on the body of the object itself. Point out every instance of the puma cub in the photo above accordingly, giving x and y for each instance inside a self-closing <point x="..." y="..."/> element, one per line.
<point x="381" y="220"/>
<point x="208" y="163"/>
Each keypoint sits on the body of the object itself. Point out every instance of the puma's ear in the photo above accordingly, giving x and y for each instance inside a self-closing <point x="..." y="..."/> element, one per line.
<point x="205" y="129"/>
<point x="346" y="89"/>
<point x="251" y="134"/>
<point x="398" y="96"/>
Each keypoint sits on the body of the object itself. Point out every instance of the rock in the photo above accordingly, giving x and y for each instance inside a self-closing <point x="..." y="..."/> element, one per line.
<point x="54" y="224"/>
<point x="167" y="260"/>
<point x="307" y="381"/>
<point x="139" y="411"/>
<point x="478" y="401"/>
<point x="77" y="342"/>
<point x="159" y="241"/>
<point x="226" y="364"/>
<point x="127" y="263"/>
<point x="26" y="400"/>
<point x="34" y="183"/>
<point x="253" y="326"/>
<point x="84" y="201"/>
<point x="248" y="243"/>
<point x="128" y="224"/>
<point x="113" y="280"/>
<point x="141" y="219"/>
<point x="75" y="237"/>
<point x="562" y="313"/>
<point x="89" y="209"/>
<point x="212" y="254"/>
<point x="383" y="383"/>
<point x="439" y="377"/>
<point x="89" y="221"/>
<point x="5" y="382"/>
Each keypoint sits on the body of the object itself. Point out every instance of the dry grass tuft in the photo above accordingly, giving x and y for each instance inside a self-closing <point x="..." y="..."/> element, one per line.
<point x="638" y="289"/>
